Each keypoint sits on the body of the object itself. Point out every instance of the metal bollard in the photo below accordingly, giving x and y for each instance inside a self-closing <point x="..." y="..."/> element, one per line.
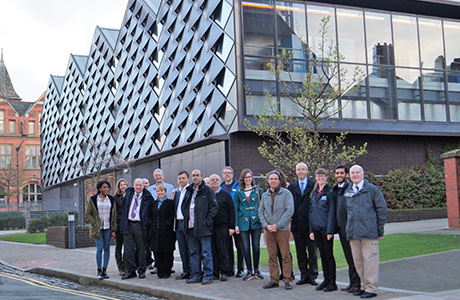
<point x="71" y="219"/>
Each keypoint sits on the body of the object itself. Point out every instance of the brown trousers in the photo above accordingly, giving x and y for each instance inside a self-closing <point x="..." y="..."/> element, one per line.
<point x="274" y="240"/>
<point x="366" y="258"/>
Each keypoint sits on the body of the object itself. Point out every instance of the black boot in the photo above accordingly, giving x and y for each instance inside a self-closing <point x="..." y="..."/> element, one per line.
<point x="104" y="273"/>
<point x="99" y="274"/>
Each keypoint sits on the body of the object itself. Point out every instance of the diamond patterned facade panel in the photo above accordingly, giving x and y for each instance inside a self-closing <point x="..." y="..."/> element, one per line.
<point x="165" y="79"/>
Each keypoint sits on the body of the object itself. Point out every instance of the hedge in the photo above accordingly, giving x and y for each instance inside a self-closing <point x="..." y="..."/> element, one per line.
<point x="57" y="219"/>
<point x="418" y="187"/>
<point x="12" y="220"/>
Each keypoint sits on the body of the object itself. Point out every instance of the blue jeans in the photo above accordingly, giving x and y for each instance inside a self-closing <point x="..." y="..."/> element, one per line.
<point x="254" y="235"/>
<point x="183" y="247"/>
<point x="200" y="247"/>
<point x="103" y="244"/>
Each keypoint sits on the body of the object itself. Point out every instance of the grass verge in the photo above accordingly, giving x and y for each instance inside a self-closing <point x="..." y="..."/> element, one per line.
<point x="393" y="246"/>
<point x="28" y="238"/>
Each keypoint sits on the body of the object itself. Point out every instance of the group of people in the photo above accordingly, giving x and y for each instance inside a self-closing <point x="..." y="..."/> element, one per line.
<point x="209" y="217"/>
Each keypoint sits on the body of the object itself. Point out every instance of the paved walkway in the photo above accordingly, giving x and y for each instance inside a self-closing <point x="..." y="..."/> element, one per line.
<point x="427" y="277"/>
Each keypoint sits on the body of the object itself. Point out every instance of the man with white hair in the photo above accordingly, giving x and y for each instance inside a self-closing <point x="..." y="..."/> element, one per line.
<point x="366" y="217"/>
<point x="134" y="225"/>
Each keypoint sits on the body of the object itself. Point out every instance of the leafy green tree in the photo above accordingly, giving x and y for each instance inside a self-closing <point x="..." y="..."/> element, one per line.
<point x="297" y="135"/>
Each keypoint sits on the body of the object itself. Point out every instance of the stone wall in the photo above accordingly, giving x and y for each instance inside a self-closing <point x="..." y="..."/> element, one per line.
<point x="58" y="236"/>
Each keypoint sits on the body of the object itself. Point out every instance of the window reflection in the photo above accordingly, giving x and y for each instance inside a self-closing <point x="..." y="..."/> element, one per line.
<point x="353" y="81"/>
<point x="382" y="92"/>
<point x="380" y="49"/>
<point x="259" y="83"/>
<point x="314" y="16"/>
<point x="408" y="91"/>
<point x="405" y="41"/>
<point x="453" y="86"/>
<point x="434" y="96"/>
<point x="292" y="28"/>
<point x="351" y="35"/>
<point x="431" y="49"/>
<point x="452" y="41"/>
<point x="259" y="28"/>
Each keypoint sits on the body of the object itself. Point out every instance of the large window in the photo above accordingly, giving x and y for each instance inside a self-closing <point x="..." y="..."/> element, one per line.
<point x="32" y="157"/>
<point x="12" y="126"/>
<point x="31" y="129"/>
<point x="409" y="64"/>
<point x="32" y="192"/>
<point x="6" y="156"/>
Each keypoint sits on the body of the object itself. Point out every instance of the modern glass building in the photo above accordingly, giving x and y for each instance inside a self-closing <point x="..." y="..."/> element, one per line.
<point x="171" y="87"/>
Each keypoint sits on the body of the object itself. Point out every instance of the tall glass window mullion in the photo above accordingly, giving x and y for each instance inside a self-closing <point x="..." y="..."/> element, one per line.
<point x="452" y="42"/>
<point x="259" y="49"/>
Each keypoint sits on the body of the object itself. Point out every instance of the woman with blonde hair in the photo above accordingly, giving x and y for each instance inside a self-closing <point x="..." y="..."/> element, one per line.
<point x="119" y="197"/>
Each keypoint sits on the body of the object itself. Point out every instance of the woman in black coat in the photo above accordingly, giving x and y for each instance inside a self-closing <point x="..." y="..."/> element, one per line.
<point x="163" y="237"/>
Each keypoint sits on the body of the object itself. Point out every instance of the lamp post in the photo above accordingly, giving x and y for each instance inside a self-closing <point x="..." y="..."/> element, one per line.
<point x="18" y="148"/>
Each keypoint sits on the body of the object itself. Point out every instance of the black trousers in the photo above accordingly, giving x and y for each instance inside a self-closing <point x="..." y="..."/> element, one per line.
<point x="132" y="241"/>
<point x="219" y="244"/>
<point x="118" y="252"/>
<point x="352" y="274"/>
<point x="326" y="248"/>
<point x="164" y="262"/>
<point x="306" y="255"/>
<point x="239" y="253"/>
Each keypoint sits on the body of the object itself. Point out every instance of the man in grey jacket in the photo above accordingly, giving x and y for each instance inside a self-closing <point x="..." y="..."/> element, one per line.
<point x="366" y="217"/>
<point x="275" y="211"/>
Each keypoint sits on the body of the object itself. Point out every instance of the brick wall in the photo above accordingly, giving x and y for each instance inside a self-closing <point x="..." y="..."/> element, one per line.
<point x="407" y="215"/>
<point x="59" y="236"/>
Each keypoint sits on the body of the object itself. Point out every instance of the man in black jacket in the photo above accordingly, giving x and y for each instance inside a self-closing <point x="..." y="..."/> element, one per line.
<point x="135" y="227"/>
<point x="341" y="173"/>
<point x="307" y="261"/>
<point x="224" y="227"/>
<point x="199" y="208"/>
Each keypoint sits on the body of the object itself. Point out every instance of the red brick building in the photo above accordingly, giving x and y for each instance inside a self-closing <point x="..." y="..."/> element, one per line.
<point x="19" y="146"/>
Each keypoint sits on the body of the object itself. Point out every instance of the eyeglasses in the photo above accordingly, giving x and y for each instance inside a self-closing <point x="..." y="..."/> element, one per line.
<point x="248" y="177"/>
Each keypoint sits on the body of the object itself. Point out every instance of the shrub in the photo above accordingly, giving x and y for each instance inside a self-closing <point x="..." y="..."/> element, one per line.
<point x="12" y="220"/>
<point x="418" y="187"/>
<point x="57" y="219"/>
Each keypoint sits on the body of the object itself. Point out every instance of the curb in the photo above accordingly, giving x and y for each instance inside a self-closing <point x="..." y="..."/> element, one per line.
<point x="156" y="291"/>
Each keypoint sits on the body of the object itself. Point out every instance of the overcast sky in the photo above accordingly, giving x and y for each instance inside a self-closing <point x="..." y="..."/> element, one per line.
<point x="37" y="37"/>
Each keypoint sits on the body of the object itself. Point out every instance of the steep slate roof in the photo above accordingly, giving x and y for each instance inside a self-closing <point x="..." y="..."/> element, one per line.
<point x="6" y="87"/>
<point x="20" y="107"/>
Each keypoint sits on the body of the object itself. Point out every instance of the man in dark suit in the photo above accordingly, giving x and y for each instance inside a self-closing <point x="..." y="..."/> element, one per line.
<point x="306" y="260"/>
<point x="341" y="174"/>
<point x="179" y="195"/>
<point x="135" y="226"/>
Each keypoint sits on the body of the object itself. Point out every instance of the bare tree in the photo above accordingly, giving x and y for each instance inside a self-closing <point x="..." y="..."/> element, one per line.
<point x="298" y="135"/>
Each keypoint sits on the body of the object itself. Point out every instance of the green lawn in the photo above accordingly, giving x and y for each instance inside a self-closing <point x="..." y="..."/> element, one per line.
<point x="29" y="238"/>
<point x="393" y="246"/>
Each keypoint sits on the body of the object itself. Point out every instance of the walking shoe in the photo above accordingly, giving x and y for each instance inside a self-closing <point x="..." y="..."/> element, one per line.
<point x="223" y="277"/>
<point x="288" y="286"/>
<point x="312" y="281"/>
<point x="104" y="273"/>
<point x="248" y="276"/>
<point x="99" y="274"/>
<point x="330" y="287"/>
<point x="141" y="275"/>
<point x="206" y="280"/>
<point x="359" y="292"/>
<point x="321" y="286"/>
<point x="129" y="275"/>
<point x="154" y="270"/>
<point x="270" y="285"/>
<point x="346" y="289"/>
<point x="258" y="275"/>
<point x="239" y="274"/>
<point x="194" y="280"/>
<point x="368" y="295"/>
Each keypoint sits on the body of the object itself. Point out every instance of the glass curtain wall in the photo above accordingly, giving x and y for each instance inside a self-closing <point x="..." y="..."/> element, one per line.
<point x="403" y="67"/>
